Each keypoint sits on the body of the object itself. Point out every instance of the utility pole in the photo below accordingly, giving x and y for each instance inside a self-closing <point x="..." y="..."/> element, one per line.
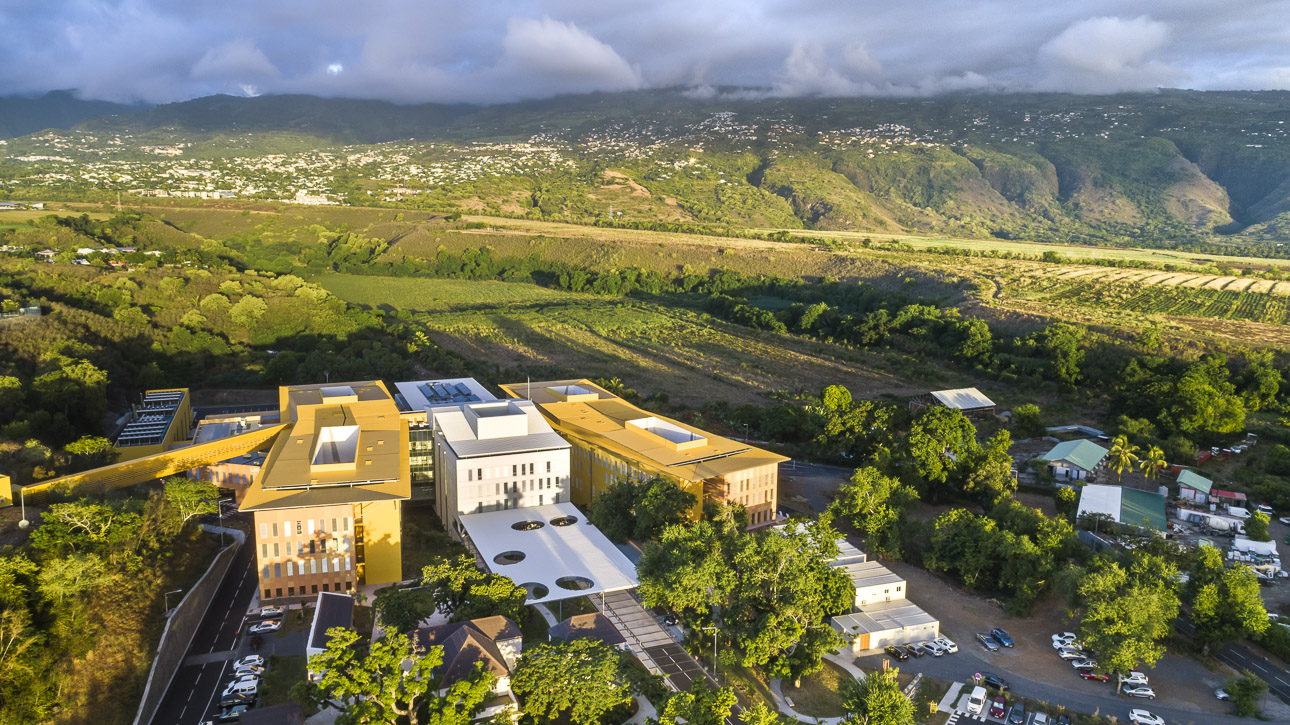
<point x="715" y="675"/>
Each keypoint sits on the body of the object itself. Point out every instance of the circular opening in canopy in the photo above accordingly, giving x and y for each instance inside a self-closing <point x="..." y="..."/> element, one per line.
<point x="564" y="521"/>
<point x="574" y="583"/>
<point x="535" y="590"/>
<point x="527" y="525"/>
<point x="509" y="557"/>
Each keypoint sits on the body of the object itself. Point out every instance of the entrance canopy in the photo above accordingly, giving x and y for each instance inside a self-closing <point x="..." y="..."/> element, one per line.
<point x="552" y="551"/>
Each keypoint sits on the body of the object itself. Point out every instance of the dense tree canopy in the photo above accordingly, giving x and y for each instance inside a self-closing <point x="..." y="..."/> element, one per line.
<point x="580" y="678"/>
<point x="463" y="591"/>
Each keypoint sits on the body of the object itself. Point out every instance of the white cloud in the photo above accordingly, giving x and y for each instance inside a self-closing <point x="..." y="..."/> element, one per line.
<point x="566" y="57"/>
<point x="237" y="60"/>
<point x="1107" y="54"/>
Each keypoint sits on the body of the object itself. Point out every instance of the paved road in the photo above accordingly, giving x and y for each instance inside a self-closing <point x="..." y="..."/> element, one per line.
<point x="1243" y="659"/>
<point x="193" y="692"/>
<point x="1081" y="696"/>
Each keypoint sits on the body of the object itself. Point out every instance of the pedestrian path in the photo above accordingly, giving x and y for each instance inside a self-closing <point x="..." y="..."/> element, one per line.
<point x="947" y="702"/>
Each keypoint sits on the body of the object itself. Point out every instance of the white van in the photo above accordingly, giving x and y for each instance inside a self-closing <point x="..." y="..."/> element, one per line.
<point x="976" y="701"/>
<point x="1238" y="512"/>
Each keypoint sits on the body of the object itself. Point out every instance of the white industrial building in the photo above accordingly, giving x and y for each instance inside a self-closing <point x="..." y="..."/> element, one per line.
<point x="494" y="456"/>
<point x="882" y="613"/>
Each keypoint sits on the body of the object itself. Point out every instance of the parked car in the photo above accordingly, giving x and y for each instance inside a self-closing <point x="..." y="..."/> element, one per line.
<point x="256" y="660"/>
<point x="240" y="688"/>
<point x="987" y="641"/>
<point x="248" y="670"/>
<point x="1221" y="694"/>
<point x="1071" y="653"/>
<point x="1018" y="715"/>
<point x="232" y="714"/>
<point x="1091" y="675"/>
<point x="1084" y="664"/>
<point x="237" y="699"/>
<point x="976" y="700"/>
<point x="1143" y="717"/>
<point x="1135" y="678"/>
<point x="1285" y="520"/>
<point x="948" y="644"/>
<point x="1140" y="691"/>
<point x="268" y="625"/>
<point x="272" y="612"/>
<point x="1040" y="718"/>
<point x="917" y="650"/>
<point x="936" y="649"/>
<point x="1002" y="637"/>
<point x="253" y="679"/>
<point x="896" y="651"/>
<point x="1065" y="639"/>
<point x="989" y="679"/>
<point x="1063" y="719"/>
<point x="1266" y="509"/>
<point x="998" y="707"/>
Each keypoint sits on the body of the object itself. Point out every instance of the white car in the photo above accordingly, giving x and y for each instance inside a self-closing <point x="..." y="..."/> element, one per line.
<point x="1140" y="691"/>
<point x="1285" y="520"/>
<point x="269" y="612"/>
<point x="241" y="688"/>
<point x="248" y="670"/>
<point x="1221" y="694"/>
<point x="1071" y="653"/>
<point x="1266" y="509"/>
<point x="1084" y="664"/>
<point x="270" y="625"/>
<point x="934" y="648"/>
<point x="252" y="660"/>
<point x="1136" y="678"/>
<point x="1143" y="717"/>
<point x="1065" y="639"/>
<point x="947" y="644"/>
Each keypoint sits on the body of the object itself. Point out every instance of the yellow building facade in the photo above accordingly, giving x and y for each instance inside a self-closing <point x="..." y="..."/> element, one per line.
<point x="160" y="421"/>
<point x="613" y="439"/>
<point x="327" y="503"/>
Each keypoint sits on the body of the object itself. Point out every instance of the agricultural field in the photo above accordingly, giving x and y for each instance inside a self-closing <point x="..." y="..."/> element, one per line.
<point x="686" y="354"/>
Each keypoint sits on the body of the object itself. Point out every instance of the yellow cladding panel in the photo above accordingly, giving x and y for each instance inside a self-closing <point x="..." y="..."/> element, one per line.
<point x="382" y="541"/>
<point x="6" y="491"/>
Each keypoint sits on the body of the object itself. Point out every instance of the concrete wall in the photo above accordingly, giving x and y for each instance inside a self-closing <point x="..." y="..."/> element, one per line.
<point x="182" y="626"/>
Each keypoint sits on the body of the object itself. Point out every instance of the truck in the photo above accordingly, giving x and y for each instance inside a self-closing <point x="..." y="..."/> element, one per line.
<point x="1221" y="526"/>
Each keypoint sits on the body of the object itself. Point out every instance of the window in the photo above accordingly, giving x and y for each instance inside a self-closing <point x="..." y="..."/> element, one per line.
<point x="470" y="474"/>
<point x="264" y="551"/>
<point x="315" y="588"/>
<point x="300" y="548"/>
<point x="322" y="526"/>
<point x="540" y="497"/>
<point x="531" y="468"/>
<point x="347" y="563"/>
<point x="322" y="546"/>
<point x="275" y="550"/>
<point x="497" y="489"/>
<point x="313" y="566"/>
<point x="291" y="591"/>
<point x="324" y="566"/>
<point x="349" y="586"/>
<point x="291" y="570"/>
<point x="479" y="473"/>
<point x="334" y="529"/>
<point x="515" y="470"/>
<point x="311" y="527"/>
<point x="335" y="564"/>
<point x="548" y="466"/>
<point x="266" y="572"/>
<point x="345" y="522"/>
<point x="312" y="545"/>
<point x="277" y="570"/>
<point x="268" y="593"/>
<point x="275" y="529"/>
<point x="325" y="587"/>
<point x="299" y="530"/>
<point x="279" y="591"/>
<point x="264" y="531"/>
<point x="479" y="507"/>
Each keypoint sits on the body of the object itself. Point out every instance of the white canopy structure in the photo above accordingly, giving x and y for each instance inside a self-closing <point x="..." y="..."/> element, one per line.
<point x="552" y="551"/>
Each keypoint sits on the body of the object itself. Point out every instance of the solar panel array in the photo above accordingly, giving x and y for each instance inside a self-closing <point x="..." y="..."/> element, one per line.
<point x="447" y="393"/>
<point x="151" y="419"/>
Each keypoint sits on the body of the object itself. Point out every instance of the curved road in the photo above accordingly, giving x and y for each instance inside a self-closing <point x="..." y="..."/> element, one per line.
<point x="193" y="692"/>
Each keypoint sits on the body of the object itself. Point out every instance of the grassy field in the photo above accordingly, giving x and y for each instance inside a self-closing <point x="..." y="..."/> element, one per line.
<point x="820" y="693"/>
<point x="283" y="672"/>
<point x="686" y="354"/>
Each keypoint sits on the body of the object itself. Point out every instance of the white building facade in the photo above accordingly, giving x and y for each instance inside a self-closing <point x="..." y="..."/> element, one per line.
<point x="494" y="456"/>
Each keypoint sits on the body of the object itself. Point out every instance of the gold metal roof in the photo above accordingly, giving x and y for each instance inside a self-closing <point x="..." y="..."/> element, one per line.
<point x="583" y="409"/>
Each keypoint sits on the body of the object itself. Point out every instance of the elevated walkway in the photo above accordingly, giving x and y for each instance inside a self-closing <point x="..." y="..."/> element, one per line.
<point x="650" y="643"/>
<point x="159" y="465"/>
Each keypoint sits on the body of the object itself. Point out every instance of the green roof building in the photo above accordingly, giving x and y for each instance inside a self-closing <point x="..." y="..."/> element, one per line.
<point x="1194" y="487"/>
<point x="1075" y="460"/>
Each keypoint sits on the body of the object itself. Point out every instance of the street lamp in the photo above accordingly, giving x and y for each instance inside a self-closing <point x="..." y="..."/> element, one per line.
<point x="22" y="492"/>
<point x="714" y="652"/>
<point x="745" y="432"/>
<point x="166" y="599"/>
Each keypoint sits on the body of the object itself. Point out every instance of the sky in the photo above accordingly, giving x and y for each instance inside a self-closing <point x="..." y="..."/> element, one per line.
<point x="496" y="51"/>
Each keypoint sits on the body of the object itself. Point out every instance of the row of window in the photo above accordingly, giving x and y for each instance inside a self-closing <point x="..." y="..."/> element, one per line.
<point x="519" y="469"/>
<point x="540" y="484"/>
<point x="295" y="568"/>
<point x="319" y="525"/>
<point x="291" y="591"/>
<point x="314" y="546"/>
<point x="505" y="504"/>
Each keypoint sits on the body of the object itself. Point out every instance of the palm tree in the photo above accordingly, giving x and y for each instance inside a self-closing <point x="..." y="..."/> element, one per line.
<point x="1154" y="463"/>
<point x="1123" y="455"/>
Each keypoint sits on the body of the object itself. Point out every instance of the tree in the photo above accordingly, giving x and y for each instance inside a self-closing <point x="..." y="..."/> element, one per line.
<point x="1246" y="691"/>
<point x="74" y="384"/>
<point x="579" y="677"/>
<point x="190" y="497"/>
<point x="402" y="610"/>
<point x="1153" y="463"/>
<point x="1063" y="345"/>
<point x="937" y="440"/>
<point x="700" y="706"/>
<point x="92" y="451"/>
<point x="1122" y="455"/>
<point x="389" y="682"/>
<point x="1205" y="401"/>
<point x="875" y="504"/>
<point x="1229" y="608"/>
<point x="759" y="714"/>
<point x="464" y="591"/>
<point x="878" y="700"/>
<point x="1257" y="527"/>
<point x="660" y="503"/>
<point x="986" y="470"/>
<point x="1125" y="613"/>
<point x="611" y="511"/>
<point x="215" y="303"/>
<point x="247" y="311"/>
<point x="71" y="576"/>
<point x="1028" y="420"/>
<point x="11" y="396"/>
<point x="836" y="397"/>
<point x="685" y="570"/>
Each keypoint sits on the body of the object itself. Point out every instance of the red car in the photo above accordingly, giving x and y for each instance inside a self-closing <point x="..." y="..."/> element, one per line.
<point x="998" y="707"/>
<point x="1091" y="675"/>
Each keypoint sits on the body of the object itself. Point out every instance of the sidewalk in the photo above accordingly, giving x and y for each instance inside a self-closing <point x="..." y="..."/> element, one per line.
<point x="777" y="691"/>
<point x="951" y="695"/>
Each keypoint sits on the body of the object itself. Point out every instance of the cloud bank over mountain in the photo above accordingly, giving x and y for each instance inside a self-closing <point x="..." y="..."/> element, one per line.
<point x="416" y="51"/>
